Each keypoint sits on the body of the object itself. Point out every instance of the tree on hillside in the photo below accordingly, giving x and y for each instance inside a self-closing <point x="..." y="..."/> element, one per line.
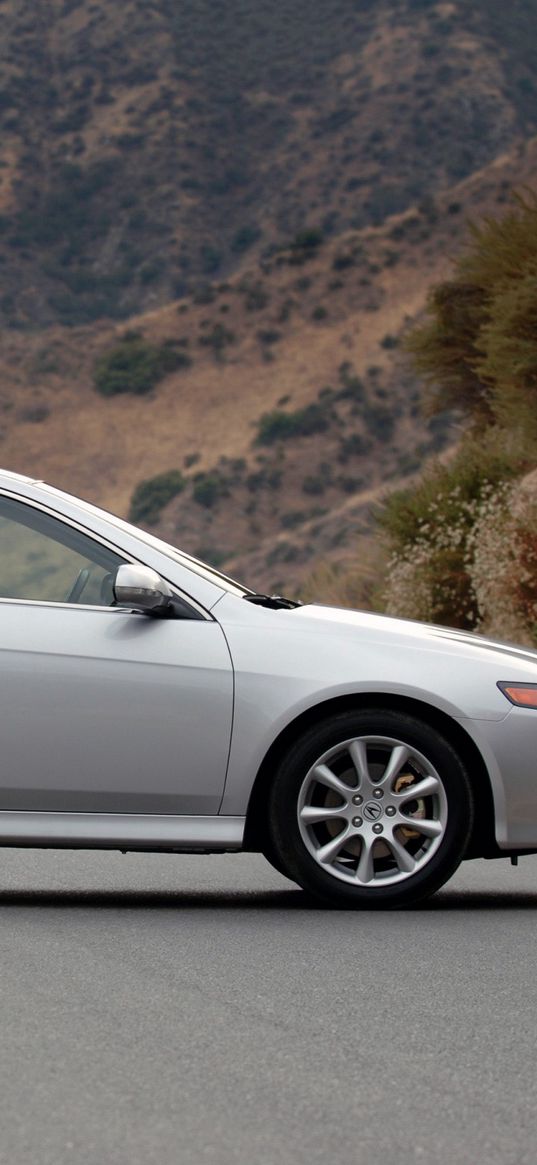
<point x="509" y="361"/>
<point x="445" y="351"/>
<point x="478" y="349"/>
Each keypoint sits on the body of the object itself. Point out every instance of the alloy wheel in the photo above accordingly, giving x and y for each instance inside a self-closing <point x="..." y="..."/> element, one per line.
<point x="372" y="811"/>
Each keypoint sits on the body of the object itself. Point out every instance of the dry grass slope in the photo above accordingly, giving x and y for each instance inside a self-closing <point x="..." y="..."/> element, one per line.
<point x="274" y="509"/>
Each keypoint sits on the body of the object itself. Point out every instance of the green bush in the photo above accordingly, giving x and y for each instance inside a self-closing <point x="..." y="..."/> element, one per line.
<point x="151" y="495"/>
<point x="380" y="421"/>
<point x="256" y="298"/>
<point x="292" y="518"/>
<point x="353" y="389"/>
<point x="355" y="445"/>
<point x="350" y="485"/>
<point x="264" y="479"/>
<point x="314" y="484"/>
<point x="134" y="365"/>
<point x="269" y="336"/>
<point x="208" y="488"/>
<point x="281" y="426"/>
<point x="286" y="308"/>
<point x="204" y="294"/>
<point x="343" y="260"/>
<point x="306" y="243"/>
<point x="219" y="338"/>
<point x="244" y="238"/>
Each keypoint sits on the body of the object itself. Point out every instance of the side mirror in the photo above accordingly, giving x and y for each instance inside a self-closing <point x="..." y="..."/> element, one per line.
<point x="140" y="588"/>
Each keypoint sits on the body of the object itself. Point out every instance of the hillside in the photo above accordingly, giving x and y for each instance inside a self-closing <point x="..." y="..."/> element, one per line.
<point x="307" y="340"/>
<point x="266" y="193"/>
<point x="148" y="146"/>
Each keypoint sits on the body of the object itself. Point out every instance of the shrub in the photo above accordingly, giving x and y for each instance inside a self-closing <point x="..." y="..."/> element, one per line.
<point x="429" y="530"/>
<point x="380" y="422"/>
<point x="136" y="366"/>
<point x="314" y="484"/>
<point x="356" y="445"/>
<point x="151" y="495"/>
<point x="264" y="479"/>
<point x="268" y="336"/>
<point x="244" y="238"/>
<point x="219" y="338"/>
<point x="278" y="425"/>
<point x="353" y="389"/>
<point x="204" y="294"/>
<point x="208" y="488"/>
<point x="286" y="308"/>
<point x="211" y="259"/>
<point x="391" y="258"/>
<point x="350" y="485"/>
<point x="256" y="298"/>
<point x="502" y="561"/>
<point x="292" y="518"/>
<point x="343" y="260"/>
<point x="309" y="239"/>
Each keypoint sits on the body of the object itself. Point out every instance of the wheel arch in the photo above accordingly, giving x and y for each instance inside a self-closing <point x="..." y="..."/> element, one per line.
<point x="482" y="841"/>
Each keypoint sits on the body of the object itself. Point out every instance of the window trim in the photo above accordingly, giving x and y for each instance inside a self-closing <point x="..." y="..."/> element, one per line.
<point x="39" y="506"/>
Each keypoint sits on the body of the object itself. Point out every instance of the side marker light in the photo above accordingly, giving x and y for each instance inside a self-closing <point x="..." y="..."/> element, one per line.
<point x="523" y="695"/>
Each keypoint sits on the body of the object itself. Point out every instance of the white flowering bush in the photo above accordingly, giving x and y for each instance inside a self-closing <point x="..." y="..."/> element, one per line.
<point x="502" y="562"/>
<point x="437" y="535"/>
<point x="428" y="578"/>
<point x="476" y="569"/>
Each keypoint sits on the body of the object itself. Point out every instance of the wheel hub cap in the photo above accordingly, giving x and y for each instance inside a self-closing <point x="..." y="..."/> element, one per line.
<point x="372" y="811"/>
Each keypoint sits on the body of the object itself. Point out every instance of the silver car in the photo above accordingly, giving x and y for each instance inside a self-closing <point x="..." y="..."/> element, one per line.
<point x="149" y="703"/>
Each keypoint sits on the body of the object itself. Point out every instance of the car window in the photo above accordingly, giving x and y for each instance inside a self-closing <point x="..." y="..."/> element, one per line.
<point x="44" y="559"/>
<point x="186" y="560"/>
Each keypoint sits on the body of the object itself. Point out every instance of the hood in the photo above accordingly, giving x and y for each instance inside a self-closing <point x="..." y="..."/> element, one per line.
<point x="373" y="627"/>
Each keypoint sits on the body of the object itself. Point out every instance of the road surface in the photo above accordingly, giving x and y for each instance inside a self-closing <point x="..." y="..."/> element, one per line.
<point x="161" y="1009"/>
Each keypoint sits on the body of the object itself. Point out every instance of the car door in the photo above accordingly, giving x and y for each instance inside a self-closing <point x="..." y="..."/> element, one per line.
<point x="101" y="709"/>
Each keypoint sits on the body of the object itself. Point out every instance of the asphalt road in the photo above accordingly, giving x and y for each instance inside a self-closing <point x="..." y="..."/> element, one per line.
<point x="185" y="1009"/>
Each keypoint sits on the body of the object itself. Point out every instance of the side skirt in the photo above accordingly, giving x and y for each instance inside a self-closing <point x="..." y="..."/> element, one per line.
<point x="123" y="831"/>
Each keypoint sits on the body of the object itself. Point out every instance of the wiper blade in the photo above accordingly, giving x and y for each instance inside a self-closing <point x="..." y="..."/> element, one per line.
<point x="275" y="602"/>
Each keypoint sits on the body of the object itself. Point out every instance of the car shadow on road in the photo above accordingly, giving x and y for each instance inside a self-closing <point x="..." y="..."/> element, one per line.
<point x="479" y="900"/>
<point x="292" y="899"/>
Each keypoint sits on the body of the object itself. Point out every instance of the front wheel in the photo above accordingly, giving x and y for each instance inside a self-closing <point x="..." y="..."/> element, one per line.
<point x="371" y="809"/>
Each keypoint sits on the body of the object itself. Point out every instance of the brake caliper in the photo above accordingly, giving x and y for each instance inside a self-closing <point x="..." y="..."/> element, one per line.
<point x="414" y="808"/>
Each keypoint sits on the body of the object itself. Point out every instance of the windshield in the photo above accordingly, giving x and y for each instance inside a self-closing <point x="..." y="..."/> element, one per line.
<point x="186" y="560"/>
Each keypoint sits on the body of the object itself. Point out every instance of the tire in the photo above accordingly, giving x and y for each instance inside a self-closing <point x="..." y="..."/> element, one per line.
<point x="274" y="860"/>
<point x="371" y="808"/>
